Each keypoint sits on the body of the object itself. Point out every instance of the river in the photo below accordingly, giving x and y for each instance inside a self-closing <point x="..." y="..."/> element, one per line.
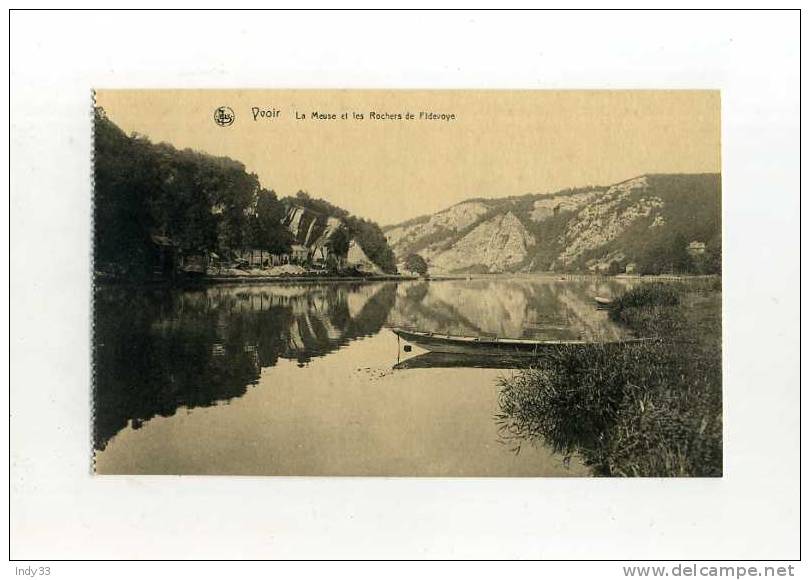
<point x="307" y="379"/>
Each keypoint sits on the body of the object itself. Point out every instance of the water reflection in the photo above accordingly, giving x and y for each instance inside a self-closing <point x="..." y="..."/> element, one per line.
<point x="533" y="307"/>
<point x="441" y="360"/>
<point x="157" y="351"/>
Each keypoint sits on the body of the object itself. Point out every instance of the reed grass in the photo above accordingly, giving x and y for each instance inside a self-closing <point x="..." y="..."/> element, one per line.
<point x="643" y="409"/>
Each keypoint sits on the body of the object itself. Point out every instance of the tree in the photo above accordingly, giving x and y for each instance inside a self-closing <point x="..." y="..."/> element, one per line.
<point x="680" y="259"/>
<point x="125" y="171"/>
<point x="614" y="268"/>
<point x="416" y="264"/>
<point x="666" y="254"/>
<point x="268" y="232"/>
<point x="713" y="263"/>
<point x="339" y="242"/>
<point x="371" y="238"/>
<point x="202" y="203"/>
<point x="199" y="201"/>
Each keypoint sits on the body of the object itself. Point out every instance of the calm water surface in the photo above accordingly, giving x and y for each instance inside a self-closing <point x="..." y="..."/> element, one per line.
<point x="306" y="379"/>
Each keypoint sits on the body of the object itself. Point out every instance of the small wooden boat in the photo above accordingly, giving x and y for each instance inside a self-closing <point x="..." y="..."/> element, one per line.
<point x="489" y="346"/>
<point x="433" y="360"/>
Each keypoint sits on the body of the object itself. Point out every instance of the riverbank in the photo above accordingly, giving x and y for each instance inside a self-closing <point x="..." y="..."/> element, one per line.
<point x="258" y="279"/>
<point x="308" y="278"/>
<point x="651" y="409"/>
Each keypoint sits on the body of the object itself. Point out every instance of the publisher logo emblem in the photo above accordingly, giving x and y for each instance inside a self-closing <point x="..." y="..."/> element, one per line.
<point x="224" y="116"/>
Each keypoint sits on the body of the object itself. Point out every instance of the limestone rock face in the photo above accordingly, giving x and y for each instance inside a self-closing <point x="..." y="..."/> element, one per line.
<point x="495" y="245"/>
<point x="357" y="257"/>
<point x="407" y="237"/>
<point x="550" y="205"/>
<point x="606" y="217"/>
<point x="309" y="228"/>
<point x="631" y="224"/>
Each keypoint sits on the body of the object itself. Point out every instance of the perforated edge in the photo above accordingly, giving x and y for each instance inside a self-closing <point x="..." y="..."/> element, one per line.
<point x="92" y="262"/>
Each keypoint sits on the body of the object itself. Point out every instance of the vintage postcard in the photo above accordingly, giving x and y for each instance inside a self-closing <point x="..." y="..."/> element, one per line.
<point x="407" y="283"/>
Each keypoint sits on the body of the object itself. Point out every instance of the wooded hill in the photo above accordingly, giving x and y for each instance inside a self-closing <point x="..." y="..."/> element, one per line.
<point x="650" y="224"/>
<point x="195" y="201"/>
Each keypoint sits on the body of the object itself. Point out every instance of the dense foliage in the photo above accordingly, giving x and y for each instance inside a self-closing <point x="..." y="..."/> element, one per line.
<point x="691" y="212"/>
<point x="198" y="201"/>
<point x="416" y="264"/>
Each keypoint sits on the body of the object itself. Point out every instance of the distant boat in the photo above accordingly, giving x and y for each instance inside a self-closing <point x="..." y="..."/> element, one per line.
<point x="488" y="346"/>
<point x="603" y="302"/>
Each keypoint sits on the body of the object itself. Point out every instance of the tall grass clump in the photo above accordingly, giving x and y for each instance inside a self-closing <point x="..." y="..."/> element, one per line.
<point x="644" y="409"/>
<point x="653" y="294"/>
<point x="649" y="309"/>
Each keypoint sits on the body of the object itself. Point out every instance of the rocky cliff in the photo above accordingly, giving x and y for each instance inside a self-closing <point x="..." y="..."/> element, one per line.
<point x="310" y="228"/>
<point x="315" y="231"/>
<point x="417" y="234"/>
<point x="644" y="224"/>
<point x="494" y="245"/>
<point x="317" y="223"/>
<point x="357" y="257"/>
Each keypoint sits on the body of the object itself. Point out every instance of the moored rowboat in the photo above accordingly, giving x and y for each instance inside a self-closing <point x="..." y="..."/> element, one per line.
<point x="487" y="346"/>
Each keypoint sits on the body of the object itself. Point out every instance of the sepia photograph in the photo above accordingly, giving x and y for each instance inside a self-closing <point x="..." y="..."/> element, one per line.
<point x="473" y="283"/>
<point x="513" y="291"/>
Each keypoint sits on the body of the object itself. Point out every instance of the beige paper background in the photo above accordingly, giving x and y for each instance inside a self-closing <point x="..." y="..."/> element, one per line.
<point x="502" y="142"/>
